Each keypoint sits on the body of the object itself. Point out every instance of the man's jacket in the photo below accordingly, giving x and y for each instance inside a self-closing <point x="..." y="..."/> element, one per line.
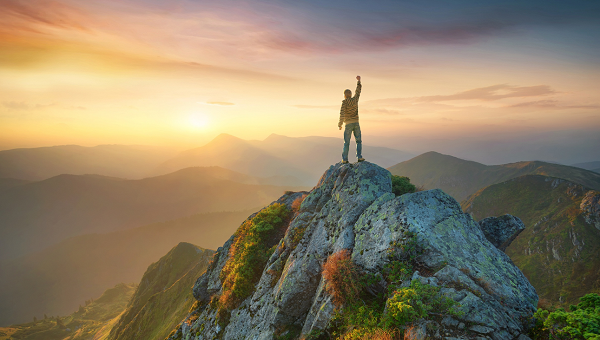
<point x="349" y="110"/>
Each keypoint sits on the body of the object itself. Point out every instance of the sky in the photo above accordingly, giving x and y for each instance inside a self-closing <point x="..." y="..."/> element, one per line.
<point x="492" y="81"/>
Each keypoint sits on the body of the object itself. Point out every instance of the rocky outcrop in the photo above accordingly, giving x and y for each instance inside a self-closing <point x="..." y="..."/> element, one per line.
<point x="590" y="206"/>
<point x="502" y="230"/>
<point x="352" y="207"/>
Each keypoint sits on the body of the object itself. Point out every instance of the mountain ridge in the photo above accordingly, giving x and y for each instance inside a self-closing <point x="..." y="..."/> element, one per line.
<point x="276" y="155"/>
<point x="128" y="161"/>
<point x="461" y="178"/>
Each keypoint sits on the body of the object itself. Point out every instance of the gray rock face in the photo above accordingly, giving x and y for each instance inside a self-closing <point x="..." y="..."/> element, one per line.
<point x="352" y="207"/>
<point x="501" y="231"/>
<point x="590" y="205"/>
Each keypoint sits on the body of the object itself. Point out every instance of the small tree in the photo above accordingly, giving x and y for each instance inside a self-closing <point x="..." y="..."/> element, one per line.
<point x="45" y="317"/>
<point x="34" y="319"/>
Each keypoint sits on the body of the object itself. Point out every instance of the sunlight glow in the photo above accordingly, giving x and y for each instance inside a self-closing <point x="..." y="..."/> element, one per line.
<point x="198" y="120"/>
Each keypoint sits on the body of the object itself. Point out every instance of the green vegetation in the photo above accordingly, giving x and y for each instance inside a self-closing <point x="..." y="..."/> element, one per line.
<point x="255" y="240"/>
<point x="363" y="314"/>
<point x="401" y="185"/>
<point x="557" y="251"/>
<point x="582" y="322"/>
<point x="84" y="324"/>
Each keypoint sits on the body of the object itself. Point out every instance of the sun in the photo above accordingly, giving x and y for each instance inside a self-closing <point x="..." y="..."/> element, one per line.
<point x="198" y="120"/>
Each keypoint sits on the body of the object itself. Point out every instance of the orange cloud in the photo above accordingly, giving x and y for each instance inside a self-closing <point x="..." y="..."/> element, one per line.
<point x="494" y="92"/>
<point x="552" y="104"/>
<point x="37" y="15"/>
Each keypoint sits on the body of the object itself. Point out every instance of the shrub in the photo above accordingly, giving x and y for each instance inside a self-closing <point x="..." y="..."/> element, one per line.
<point x="363" y="317"/>
<point x="367" y="320"/>
<point x="253" y="244"/>
<point x="415" y="302"/>
<point x="341" y="276"/>
<point x="583" y="322"/>
<point x="401" y="185"/>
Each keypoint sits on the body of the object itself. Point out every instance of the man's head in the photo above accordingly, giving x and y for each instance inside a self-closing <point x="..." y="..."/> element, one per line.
<point x="347" y="93"/>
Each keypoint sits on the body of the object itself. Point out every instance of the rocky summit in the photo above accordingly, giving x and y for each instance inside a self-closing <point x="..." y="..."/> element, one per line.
<point x="353" y="208"/>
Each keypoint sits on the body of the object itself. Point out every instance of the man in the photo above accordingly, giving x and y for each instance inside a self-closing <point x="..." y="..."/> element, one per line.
<point x="349" y="115"/>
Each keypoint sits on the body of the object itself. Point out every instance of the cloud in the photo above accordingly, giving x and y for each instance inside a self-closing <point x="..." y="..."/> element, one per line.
<point x="552" y="104"/>
<point x="330" y="41"/>
<point x="257" y="29"/>
<point x="491" y="93"/>
<point x="220" y="103"/>
<point x="488" y="93"/>
<point x="15" y="105"/>
<point x="379" y="26"/>
<point x="26" y="15"/>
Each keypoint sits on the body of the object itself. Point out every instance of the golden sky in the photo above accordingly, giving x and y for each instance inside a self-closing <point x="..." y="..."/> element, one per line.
<point x="179" y="73"/>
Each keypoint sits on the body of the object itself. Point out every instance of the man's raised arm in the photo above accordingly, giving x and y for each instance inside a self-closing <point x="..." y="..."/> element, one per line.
<point x="358" y="88"/>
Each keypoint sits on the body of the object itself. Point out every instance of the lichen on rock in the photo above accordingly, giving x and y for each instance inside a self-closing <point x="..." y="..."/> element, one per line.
<point x="353" y="207"/>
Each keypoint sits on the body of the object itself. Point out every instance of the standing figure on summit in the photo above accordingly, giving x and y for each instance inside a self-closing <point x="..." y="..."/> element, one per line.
<point x="349" y="115"/>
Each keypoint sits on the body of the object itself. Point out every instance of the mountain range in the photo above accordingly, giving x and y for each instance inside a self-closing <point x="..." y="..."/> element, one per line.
<point x="125" y="161"/>
<point x="36" y="215"/>
<point x="287" y="160"/>
<point x="461" y="178"/>
<point x="301" y="158"/>
<point x="70" y="222"/>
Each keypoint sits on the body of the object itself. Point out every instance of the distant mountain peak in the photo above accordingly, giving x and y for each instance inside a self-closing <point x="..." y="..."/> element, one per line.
<point x="226" y="137"/>
<point x="274" y="137"/>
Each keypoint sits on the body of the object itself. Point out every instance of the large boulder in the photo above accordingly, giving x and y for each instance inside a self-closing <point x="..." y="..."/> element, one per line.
<point x="502" y="230"/>
<point x="353" y="207"/>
